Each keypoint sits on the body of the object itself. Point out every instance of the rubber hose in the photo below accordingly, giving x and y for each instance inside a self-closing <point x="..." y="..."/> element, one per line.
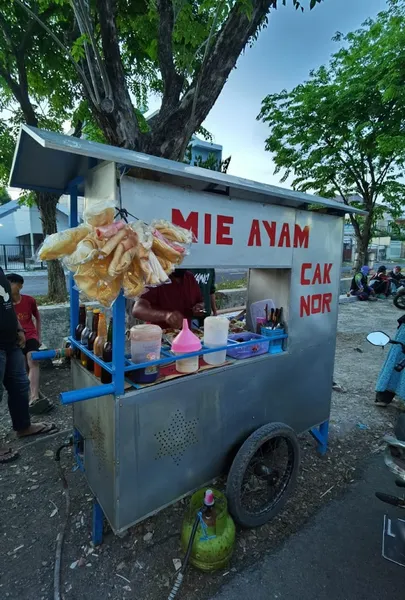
<point x="180" y="576"/>
<point x="61" y="535"/>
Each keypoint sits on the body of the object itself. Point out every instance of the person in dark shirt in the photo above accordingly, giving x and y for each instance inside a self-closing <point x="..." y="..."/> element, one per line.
<point x="206" y="280"/>
<point x="381" y="283"/>
<point x="13" y="374"/>
<point x="396" y="278"/>
<point x="168" y="304"/>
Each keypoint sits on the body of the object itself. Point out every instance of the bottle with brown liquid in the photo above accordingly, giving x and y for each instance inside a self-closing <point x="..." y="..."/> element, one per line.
<point x="79" y="327"/>
<point x="85" y="335"/>
<point x="99" y="343"/>
<point x="106" y="377"/>
<point x="92" y="337"/>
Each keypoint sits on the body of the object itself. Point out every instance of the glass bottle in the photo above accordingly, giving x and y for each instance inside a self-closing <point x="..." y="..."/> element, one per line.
<point x="79" y="328"/>
<point x="99" y="343"/>
<point x="92" y="337"/>
<point x="107" y="354"/>
<point x="85" y="335"/>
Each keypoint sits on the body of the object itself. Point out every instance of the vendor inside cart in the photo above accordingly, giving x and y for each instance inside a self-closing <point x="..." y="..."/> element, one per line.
<point x="167" y="305"/>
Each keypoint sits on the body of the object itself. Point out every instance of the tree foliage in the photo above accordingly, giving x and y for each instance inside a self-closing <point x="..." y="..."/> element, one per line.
<point x="341" y="132"/>
<point x="4" y="195"/>
<point x="182" y="50"/>
<point x="37" y="87"/>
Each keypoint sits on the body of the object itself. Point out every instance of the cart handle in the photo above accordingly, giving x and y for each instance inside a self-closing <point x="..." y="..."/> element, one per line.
<point x="87" y="393"/>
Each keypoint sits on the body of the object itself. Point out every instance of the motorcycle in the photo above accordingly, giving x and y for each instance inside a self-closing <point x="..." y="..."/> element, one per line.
<point x="394" y="455"/>
<point x="399" y="295"/>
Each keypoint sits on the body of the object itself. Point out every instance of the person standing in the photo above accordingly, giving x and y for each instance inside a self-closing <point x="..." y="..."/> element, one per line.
<point x="30" y="320"/>
<point x="13" y="374"/>
<point x="206" y="280"/>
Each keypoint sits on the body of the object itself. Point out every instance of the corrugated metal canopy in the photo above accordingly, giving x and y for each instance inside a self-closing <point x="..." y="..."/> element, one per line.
<point x="47" y="161"/>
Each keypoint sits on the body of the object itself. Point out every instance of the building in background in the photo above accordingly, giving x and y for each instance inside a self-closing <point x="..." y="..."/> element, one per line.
<point x="21" y="232"/>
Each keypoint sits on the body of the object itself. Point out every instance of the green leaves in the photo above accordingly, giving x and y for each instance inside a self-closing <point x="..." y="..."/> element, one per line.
<point x="78" y="51"/>
<point x="342" y="131"/>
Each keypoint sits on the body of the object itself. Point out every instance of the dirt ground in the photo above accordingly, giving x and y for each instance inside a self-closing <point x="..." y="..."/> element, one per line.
<point x="140" y="565"/>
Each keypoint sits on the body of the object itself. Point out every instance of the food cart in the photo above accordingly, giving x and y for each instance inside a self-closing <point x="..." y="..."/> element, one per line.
<point x="143" y="448"/>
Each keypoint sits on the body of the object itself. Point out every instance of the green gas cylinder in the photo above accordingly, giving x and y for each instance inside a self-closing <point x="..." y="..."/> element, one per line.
<point x="215" y="536"/>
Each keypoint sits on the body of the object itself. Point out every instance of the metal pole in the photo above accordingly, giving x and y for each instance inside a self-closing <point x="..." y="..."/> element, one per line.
<point x="118" y="357"/>
<point x="23" y="249"/>
<point x="5" y="257"/>
<point x="74" y="294"/>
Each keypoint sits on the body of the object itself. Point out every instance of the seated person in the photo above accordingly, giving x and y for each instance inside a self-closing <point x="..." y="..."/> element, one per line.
<point x="359" y="286"/>
<point x="381" y="283"/>
<point x="168" y="304"/>
<point x="396" y="277"/>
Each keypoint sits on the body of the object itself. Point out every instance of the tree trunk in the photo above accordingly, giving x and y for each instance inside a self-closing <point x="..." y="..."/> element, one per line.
<point x="56" y="277"/>
<point x="363" y="240"/>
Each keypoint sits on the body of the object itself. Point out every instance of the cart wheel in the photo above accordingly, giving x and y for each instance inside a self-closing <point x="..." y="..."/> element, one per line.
<point x="263" y="474"/>
<point x="399" y="300"/>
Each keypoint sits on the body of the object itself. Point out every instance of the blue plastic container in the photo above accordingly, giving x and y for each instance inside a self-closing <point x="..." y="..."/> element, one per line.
<point x="260" y="345"/>
<point x="277" y="337"/>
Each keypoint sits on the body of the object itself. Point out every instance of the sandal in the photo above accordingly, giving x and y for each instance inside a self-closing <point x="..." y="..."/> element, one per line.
<point x="41" y="406"/>
<point x="9" y="456"/>
<point x="45" y="429"/>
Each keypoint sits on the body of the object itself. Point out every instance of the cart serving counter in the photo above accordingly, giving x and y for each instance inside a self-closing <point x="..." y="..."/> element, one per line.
<point x="145" y="447"/>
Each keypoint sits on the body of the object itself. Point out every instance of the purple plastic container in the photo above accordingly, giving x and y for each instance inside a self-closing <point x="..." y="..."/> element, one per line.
<point x="261" y="347"/>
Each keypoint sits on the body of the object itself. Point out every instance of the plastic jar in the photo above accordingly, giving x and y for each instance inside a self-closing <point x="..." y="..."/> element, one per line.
<point x="146" y="343"/>
<point x="184" y="343"/>
<point x="215" y="335"/>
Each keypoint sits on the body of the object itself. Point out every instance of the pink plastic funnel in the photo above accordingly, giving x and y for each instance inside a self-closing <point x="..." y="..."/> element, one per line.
<point x="186" y="341"/>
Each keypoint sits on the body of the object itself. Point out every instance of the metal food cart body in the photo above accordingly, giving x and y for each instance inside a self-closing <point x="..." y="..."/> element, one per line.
<point x="145" y="448"/>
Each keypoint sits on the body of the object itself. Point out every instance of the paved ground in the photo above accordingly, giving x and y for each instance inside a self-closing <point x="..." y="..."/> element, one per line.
<point x="337" y="556"/>
<point x="36" y="283"/>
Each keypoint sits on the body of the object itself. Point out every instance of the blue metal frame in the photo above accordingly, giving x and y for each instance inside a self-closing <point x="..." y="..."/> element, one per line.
<point x="98" y="523"/>
<point x="321" y="435"/>
<point x="74" y="293"/>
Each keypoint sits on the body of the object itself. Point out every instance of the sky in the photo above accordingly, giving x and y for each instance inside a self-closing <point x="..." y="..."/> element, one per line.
<point x="292" y="45"/>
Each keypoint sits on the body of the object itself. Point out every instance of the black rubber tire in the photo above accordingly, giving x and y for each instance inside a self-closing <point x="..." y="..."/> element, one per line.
<point x="399" y="300"/>
<point x="242" y="461"/>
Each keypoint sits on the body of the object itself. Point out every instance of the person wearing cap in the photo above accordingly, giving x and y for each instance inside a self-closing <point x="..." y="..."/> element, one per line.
<point x="381" y="283"/>
<point x="360" y="287"/>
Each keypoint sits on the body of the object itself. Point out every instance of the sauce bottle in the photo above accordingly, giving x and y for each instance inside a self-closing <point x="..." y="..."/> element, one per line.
<point x="106" y="377"/>
<point x="85" y="335"/>
<point x="99" y="343"/>
<point x="79" y="328"/>
<point x="92" y="337"/>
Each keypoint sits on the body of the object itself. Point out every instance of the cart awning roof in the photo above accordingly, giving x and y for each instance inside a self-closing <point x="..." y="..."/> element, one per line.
<point x="45" y="161"/>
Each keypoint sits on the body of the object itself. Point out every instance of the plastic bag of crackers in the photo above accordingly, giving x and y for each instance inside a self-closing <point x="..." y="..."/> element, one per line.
<point x="107" y="255"/>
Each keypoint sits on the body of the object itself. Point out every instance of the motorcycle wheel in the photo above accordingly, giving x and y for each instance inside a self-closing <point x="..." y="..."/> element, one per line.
<point x="399" y="300"/>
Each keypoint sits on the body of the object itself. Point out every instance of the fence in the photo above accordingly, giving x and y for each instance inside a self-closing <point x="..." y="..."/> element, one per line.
<point x="14" y="257"/>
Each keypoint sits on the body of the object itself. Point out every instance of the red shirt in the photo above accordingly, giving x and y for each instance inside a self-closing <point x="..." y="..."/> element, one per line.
<point x="181" y="295"/>
<point x="27" y="308"/>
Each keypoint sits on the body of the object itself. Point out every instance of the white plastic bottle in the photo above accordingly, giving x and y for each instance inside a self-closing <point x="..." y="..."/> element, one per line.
<point x="215" y="335"/>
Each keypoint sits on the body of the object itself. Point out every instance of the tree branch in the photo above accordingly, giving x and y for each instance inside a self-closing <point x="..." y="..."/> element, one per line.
<point x="221" y="59"/>
<point x="65" y="50"/>
<point x="172" y="81"/>
<point x="126" y="126"/>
